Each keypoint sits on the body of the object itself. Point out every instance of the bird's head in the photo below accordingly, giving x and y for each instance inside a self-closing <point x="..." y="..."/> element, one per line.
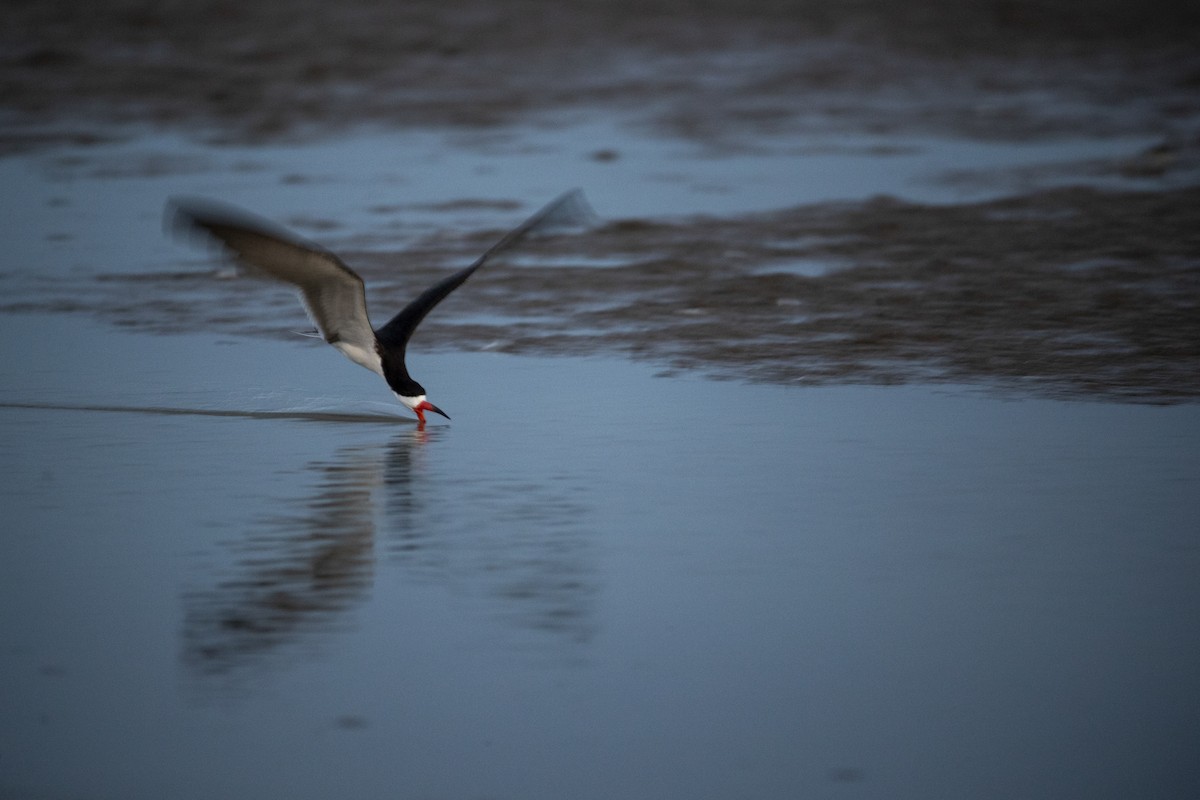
<point x="420" y="405"/>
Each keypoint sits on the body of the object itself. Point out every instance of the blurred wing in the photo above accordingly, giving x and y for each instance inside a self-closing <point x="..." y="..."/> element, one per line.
<point x="332" y="293"/>
<point x="568" y="210"/>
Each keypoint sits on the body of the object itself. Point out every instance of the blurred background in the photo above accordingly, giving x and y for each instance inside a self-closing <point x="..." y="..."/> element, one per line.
<point x="942" y="128"/>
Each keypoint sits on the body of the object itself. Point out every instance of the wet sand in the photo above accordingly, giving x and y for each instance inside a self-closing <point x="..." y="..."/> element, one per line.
<point x="1069" y="292"/>
<point x="715" y="72"/>
<point x="1090" y="290"/>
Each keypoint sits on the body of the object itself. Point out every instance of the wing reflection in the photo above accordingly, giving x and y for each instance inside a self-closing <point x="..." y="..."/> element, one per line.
<point x="296" y="575"/>
<point x="521" y="548"/>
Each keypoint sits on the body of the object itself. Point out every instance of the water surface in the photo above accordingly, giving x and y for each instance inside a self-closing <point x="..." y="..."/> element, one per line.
<point x="683" y="588"/>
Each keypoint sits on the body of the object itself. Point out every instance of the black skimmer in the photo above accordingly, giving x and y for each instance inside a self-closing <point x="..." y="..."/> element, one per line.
<point x="334" y="295"/>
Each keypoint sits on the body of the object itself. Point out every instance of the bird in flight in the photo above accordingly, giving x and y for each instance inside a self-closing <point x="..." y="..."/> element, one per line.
<point x="334" y="295"/>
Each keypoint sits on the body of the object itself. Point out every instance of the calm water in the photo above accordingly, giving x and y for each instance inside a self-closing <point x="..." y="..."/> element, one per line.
<point x="593" y="583"/>
<point x="232" y="567"/>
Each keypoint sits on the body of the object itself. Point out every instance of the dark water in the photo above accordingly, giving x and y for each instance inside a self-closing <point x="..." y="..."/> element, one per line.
<point x="593" y="583"/>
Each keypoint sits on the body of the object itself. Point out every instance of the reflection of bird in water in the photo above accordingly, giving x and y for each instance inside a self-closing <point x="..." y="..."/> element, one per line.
<point x="333" y="294"/>
<point x="298" y="575"/>
<point x="296" y="578"/>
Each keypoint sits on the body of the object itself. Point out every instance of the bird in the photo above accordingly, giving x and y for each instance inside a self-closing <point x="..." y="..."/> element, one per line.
<point x="334" y="295"/>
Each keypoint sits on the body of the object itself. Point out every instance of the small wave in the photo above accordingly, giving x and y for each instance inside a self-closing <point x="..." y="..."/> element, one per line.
<point x="293" y="414"/>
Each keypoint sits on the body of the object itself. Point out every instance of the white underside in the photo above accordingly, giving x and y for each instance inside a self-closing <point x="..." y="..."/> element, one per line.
<point x="370" y="360"/>
<point x="361" y="356"/>
<point x="411" y="402"/>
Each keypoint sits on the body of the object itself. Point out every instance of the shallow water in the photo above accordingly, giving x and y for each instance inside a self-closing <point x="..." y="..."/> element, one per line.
<point x="593" y="583"/>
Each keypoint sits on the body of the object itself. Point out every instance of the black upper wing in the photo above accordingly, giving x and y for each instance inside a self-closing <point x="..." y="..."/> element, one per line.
<point x="396" y="333"/>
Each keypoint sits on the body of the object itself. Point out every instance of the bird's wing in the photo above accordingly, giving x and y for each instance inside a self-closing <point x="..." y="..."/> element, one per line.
<point x="332" y="293"/>
<point x="570" y="209"/>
